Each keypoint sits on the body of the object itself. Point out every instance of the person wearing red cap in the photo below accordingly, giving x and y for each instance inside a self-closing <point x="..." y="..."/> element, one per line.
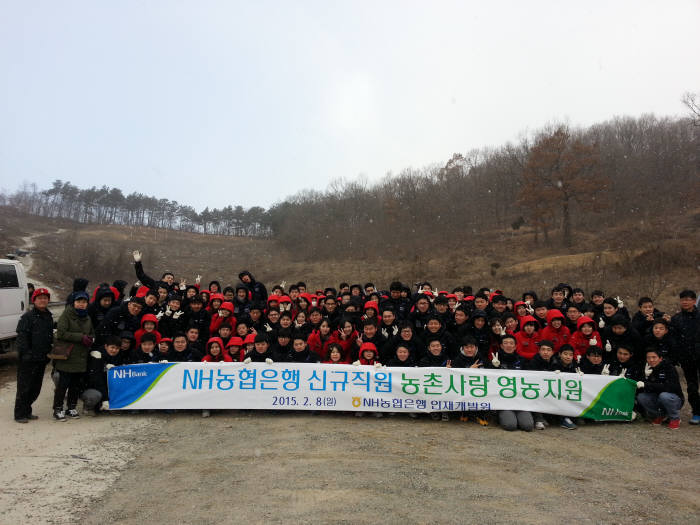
<point x="34" y="341"/>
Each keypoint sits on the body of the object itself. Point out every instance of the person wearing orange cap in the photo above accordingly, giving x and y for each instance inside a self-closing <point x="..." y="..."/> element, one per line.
<point x="34" y="342"/>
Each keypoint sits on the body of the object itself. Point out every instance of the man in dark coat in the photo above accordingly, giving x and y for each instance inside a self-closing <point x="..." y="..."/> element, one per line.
<point x="257" y="289"/>
<point x="34" y="342"/>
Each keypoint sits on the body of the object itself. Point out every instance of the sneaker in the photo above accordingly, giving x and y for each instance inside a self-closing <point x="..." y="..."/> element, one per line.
<point x="32" y="417"/>
<point x="539" y="425"/>
<point x="21" y="420"/>
<point x="695" y="420"/>
<point x="59" y="415"/>
<point x="73" y="413"/>
<point x="435" y="416"/>
<point x="445" y="416"/>
<point x="567" y="424"/>
<point x="657" y="420"/>
<point x="205" y="413"/>
<point x="482" y="421"/>
<point x="674" y="424"/>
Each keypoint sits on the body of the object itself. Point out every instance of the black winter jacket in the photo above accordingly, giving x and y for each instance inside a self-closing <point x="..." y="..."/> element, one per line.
<point x="34" y="335"/>
<point x="663" y="378"/>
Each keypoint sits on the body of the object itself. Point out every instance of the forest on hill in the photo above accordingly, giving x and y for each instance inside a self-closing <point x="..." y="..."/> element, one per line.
<point x="556" y="186"/>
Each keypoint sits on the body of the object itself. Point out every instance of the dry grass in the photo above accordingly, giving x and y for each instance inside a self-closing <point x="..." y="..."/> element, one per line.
<point x="627" y="260"/>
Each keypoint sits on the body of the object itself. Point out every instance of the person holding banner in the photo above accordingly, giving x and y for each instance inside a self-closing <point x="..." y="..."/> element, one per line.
<point x="508" y="359"/>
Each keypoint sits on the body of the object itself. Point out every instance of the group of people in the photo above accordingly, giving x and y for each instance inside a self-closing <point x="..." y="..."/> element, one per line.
<point x="163" y="320"/>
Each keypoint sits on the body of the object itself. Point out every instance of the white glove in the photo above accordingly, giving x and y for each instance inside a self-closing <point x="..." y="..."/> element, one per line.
<point x="606" y="370"/>
<point x="159" y="315"/>
<point x="163" y="361"/>
<point x="503" y="330"/>
<point x="377" y="365"/>
<point x="634" y="415"/>
<point x="247" y="360"/>
<point x="578" y="359"/>
<point x="593" y="341"/>
<point x="601" y="323"/>
<point x="168" y="311"/>
<point x="608" y="346"/>
<point x="620" y="304"/>
<point x="647" y="370"/>
<point x="109" y="366"/>
<point x="104" y="405"/>
<point x="623" y="372"/>
<point x="267" y="327"/>
<point x="283" y="284"/>
<point x="183" y="285"/>
<point x="198" y="279"/>
<point x="579" y="371"/>
<point x="494" y="361"/>
<point x="557" y="371"/>
<point x="640" y="384"/>
<point x="529" y="308"/>
<point x="137" y="255"/>
<point x="269" y="361"/>
<point x="96" y="354"/>
<point x="356" y="363"/>
<point x="177" y="314"/>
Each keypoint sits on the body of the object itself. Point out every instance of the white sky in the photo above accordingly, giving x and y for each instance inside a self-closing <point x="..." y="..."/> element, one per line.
<point x="216" y="103"/>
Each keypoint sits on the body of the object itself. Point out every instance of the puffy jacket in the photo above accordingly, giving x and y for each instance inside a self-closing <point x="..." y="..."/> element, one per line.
<point x="34" y="335"/>
<point x="558" y="337"/>
<point x="686" y="329"/>
<point x="71" y="328"/>
<point x="581" y="342"/>
<point x="663" y="378"/>
<point x="527" y="344"/>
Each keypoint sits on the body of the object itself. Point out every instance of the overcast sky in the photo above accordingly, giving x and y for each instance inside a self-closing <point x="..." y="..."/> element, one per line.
<point x="216" y="103"/>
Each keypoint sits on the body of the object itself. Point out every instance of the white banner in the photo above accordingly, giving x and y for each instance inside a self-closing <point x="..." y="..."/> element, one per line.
<point x="305" y="386"/>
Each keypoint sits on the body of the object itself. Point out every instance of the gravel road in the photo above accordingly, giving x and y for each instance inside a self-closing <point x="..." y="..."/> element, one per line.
<point x="255" y="467"/>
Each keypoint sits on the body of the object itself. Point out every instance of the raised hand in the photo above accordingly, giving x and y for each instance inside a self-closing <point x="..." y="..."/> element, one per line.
<point x="495" y="361"/>
<point x="137" y="255"/>
<point x="606" y="370"/>
<point x="647" y="370"/>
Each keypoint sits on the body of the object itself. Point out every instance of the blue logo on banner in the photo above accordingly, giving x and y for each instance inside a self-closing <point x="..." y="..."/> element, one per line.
<point x="128" y="384"/>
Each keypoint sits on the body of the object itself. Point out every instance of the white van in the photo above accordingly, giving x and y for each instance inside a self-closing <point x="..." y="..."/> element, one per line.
<point x="14" y="300"/>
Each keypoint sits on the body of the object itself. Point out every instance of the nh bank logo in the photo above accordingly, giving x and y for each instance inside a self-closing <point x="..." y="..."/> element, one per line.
<point x="122" y="374"/>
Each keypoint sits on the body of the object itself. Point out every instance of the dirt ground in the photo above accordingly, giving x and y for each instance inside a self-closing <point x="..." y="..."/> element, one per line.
<point x="260" y="467"/>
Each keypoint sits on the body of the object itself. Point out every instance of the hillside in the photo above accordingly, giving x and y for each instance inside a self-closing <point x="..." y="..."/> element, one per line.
<point x="629" y="260"/>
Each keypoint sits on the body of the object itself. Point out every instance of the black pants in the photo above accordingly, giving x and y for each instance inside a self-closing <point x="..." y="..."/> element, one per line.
<point x="70" y="382"/>
<point x="30" y="375"/>
<point x="691" y="369"/>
